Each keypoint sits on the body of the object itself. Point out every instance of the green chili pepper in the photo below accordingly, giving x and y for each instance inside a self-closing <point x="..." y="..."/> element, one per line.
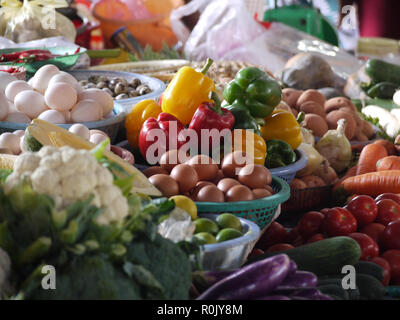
<point x="279" y="154"/>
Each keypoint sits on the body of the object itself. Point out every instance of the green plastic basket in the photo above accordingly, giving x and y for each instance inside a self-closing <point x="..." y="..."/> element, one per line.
<point x="260" y="211"/>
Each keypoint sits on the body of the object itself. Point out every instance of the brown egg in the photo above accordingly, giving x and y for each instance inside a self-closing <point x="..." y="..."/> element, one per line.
<point x="218" y="178"/>
<point x="172" y="158"/>
<point x="255" y="176"/>
<point x="151" y="171"/>
<point x="205" y="167"/>
<point x="210" y="193"/>
<point x="167" y="186"/>
<point x="186" y="176"/>
<point x="269" y="188"/>
<point x="225" y="184"/>
<point x="261" y="193"/>
<point x="239" y="193"/>
<point x="233" y="161"/>
<point x="198" y="186"/>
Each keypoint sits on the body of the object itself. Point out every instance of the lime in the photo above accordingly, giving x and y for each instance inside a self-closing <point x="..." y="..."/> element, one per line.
<point x="228" y="220"/>
<point x="205" y="225"/>
<point x="205" y="238"/>
<point x="228" y="234"/>
<point x="186" y="204"/>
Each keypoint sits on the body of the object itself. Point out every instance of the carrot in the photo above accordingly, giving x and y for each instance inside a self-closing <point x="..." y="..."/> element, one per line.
<point x="374" y="183"/>
<point x="350" y="173"/>
<point x="369" y="156"/>
<point x="390" y="147"/>
<point x="388" y="163"/>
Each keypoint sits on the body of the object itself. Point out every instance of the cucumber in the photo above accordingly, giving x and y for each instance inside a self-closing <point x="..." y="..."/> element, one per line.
<point x="382" y="71"/>
<point x="354" y="294"/>
<point x="332" y="289"/>
<point x="324" y="257"/>
<point x="383" y="90"/>
<point x="370" y="288"/>
<point x="370" y="268"/>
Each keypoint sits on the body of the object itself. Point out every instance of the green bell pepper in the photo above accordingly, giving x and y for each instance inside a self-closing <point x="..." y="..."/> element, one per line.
<point x="243" y="118"/>
<point x="279" y="154"/>
<point x="254" y="89"/>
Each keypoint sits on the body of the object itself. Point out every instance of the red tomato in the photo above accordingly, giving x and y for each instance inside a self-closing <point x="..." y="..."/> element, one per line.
<point x="316" y="238"/>
<point x="310" y="224"/>
<point x="391" y="196"/>
<point x="369" y="248"/>
<point x="292" y="235"/>
<point x="339" y="222"/>
<point x="390" y="238"/>
<point x="374" y="230"/>
<point x="388" y="211"/>
<point x="255" y="252"/>
<point x="393" y="257"/>
<point x="325" y="211"/>
<point x="299" y="241"/>
<point x="364" y="209"/>
<point x="280" y="247"/>
<point x="386" y="268"/>
<point x="274" y="234"/>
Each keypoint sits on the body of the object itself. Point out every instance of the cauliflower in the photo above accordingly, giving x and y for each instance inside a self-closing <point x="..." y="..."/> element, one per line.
<point x="69" y="175"/>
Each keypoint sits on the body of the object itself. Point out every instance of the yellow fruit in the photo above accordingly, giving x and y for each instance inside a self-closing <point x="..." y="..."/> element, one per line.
<point x="186" y="204"/>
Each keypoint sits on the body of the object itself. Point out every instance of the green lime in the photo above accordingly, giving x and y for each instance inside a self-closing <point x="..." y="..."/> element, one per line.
<point x="205" y="238"/>
<point x="228" y="220"/>
<point x="205" y="225"/>
<point x="228" y="234"/>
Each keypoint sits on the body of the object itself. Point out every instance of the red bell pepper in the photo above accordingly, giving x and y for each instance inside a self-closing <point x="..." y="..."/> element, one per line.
<point x="173" y="138"/>
<point x="211" y="116"/>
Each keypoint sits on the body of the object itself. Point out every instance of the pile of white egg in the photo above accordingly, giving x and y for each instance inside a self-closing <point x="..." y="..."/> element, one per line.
<point x="51" y="95"/>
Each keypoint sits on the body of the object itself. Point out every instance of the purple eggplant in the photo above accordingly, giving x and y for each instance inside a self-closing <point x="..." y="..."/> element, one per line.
<point x="292" y="267"/>
<point x="274" y="298"/>
<point x="255" y="280"/>
<point x="299" y="279"/>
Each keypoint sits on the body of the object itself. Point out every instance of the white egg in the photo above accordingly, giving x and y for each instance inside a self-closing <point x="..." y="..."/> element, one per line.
<point x="5" y="80"/>
<point x="30" y="102"/>
<point x="67" y="116"/>
<point x="11" y="107"/>
<point x="52" y="116"/>
<point x="86" y="111"/>
<point x="30" y="81"/>
<point x="19" y="133"/>
<point x="61" y="96"/>
<point x="22" y="144"/>
<point x="6" y="151"/>
<point x="63" y="77"/>
<point x="96" y="131"/>
<point x="97" y="138"/>
<point x="80" y="130"/>
<point x="17" y="117"/>
<point x="103" y="98"/>
<point x="4" y="108"/>
<point x="16" y="87"/>
<point x="10" y="141"/>
<point x="43" y="76"/>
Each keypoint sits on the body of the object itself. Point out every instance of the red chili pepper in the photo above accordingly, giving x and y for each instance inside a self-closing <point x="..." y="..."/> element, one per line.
<point x="171" y="128"/>
<point x="211" y="116"/>
<point x="21" y="55"/>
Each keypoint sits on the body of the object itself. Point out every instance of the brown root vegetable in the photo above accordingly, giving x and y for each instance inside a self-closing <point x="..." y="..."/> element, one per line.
<point x="326" y="173"/>
<point x="298" y="184"/>
<point x="316" y="124"/>
<point x="368" y="129"/>
<point x="390" y="147"/>
<point x="295" y="112"/>
<point x="360" y="137"/>
<point x="339" y="103"/>
<point x="313" y="181"/>
<point x="313" y="107"/>
<point x="311" y="95"/>
<point x="290" y="96"/>
<point x="283" y="106"/>
<point x="333" y="117"/>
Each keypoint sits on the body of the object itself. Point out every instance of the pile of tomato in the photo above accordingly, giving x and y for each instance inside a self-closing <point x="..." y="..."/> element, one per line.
<point x="373" y="223"/>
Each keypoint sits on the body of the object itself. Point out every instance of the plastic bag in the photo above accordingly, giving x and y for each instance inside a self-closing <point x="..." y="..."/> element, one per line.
<point x="36" y="19"/>
<point x="177" y="227"/>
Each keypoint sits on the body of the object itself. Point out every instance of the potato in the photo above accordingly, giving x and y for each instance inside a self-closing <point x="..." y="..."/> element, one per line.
<point x="339" y="103"/>
<point x="326" y="173"/>
<point x="298" y="184"/>
<point x="283" y="106"/>
<point x="360" y="137"/>
<point x="290" y="96"/>
<point x="311" y="95"/>
<point x="295" y="112"/>
<point x="316" y="124"/>
<point x="313" y="181"/>
<point x="333" y="117"/>
<point x="357" y="119"/>
<point x="367" y="128"/>
<point x="313" y="107"/>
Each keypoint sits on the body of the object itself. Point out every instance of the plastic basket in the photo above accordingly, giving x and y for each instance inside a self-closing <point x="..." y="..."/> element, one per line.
<point x="289" y="172"/>
<point x="260" y="211"/>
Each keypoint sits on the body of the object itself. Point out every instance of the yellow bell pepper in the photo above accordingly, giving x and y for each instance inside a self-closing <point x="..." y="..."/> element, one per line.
<point x="282" y="125"/>
<point x="251" y="143"/>
<point x="186" y="92"/>
<point x="139" y="114"/>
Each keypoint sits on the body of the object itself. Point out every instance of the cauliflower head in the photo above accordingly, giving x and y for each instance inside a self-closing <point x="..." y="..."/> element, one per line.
<point x="69" y="175"/>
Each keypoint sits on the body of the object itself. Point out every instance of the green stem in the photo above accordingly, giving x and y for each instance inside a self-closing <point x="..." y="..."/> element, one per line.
<point x="36" y="250"/>
<point x="70" y="234"/>
<point x="300" y="117"/>
<point x="207" y="66"/>
<point x="217" y="103"/>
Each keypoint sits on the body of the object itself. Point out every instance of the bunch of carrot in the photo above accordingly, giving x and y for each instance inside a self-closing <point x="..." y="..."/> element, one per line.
<point x="377" y="171"/>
